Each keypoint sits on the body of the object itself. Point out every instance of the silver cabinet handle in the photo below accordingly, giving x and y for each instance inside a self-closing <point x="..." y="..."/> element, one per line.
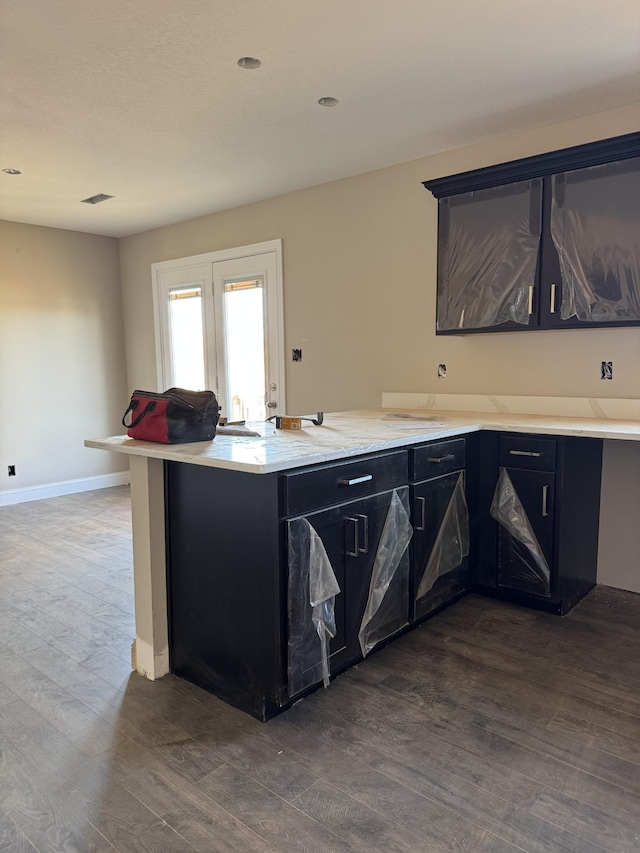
<point x="422" y="503"/>
<point x="441" y="458"/>
<point x="531" y="299"/>
<point x="545" y="492"/>
<point x="365" y="525"/>
<point x="525" y="453"/>
<point x="354" y="552"/>
<point x="553" y="298"/>
<point x="356" y="480"/>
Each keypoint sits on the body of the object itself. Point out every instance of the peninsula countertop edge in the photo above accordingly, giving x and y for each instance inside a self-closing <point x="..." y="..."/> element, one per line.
<point x="347" y="434"/>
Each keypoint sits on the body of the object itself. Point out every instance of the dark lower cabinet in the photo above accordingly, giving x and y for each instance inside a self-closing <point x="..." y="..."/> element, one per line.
<point x="539" y="517"/>
<point x="258" y="563"/>
<point x="521" y="565"/>
<point x="351" y="536"/>
<point x="440" y="564"/>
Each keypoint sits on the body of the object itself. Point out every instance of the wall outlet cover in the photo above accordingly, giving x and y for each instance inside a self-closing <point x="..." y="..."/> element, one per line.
<point x="296" y="355"/>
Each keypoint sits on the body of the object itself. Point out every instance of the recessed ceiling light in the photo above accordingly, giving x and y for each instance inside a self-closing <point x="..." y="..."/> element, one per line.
<point x="12" y="171"/>
<point x="96" y="199"/>
<point x="249" y="62"/>
<point x="328" y="102"/>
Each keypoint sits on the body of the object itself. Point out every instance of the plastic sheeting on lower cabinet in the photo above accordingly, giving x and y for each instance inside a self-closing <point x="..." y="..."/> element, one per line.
<point x="508" y="511"/>
<point x="312" y="589"/>
<point x="451" y="545"/>
<point x="387" y="608"/>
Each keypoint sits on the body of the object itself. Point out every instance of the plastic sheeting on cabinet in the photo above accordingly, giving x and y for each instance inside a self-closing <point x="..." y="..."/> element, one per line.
<point x="387" y="605"/>
<point x="487" y="256"/>
<point x="451" y="545"/>
<point x="508" y="511"/>
<point x="311" y="599"/>
<point x="595" y="225"/>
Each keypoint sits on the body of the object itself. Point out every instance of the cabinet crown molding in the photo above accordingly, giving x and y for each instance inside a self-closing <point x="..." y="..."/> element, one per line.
<point x="540" y="165"/>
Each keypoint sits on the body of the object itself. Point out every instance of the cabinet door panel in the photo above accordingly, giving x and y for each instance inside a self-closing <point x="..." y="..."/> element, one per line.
<point x="594" y="222"/>
<point x="517" y="567"/>
<point x="430" y="502"/>
<point x="331" y="526"/>
<point x="488" y="244"/>
<point x="350" y="534"/>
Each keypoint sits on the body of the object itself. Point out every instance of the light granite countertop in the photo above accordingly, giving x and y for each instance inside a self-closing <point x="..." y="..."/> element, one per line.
<point x="345" y="434"/>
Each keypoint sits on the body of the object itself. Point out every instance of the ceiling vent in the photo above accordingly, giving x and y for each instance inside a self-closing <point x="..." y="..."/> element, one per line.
<point x="96" y="199"/>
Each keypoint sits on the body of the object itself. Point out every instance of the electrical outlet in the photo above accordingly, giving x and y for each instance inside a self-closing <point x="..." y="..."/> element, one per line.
<point x="296" y="355"/>
<point x="606" y="370"/>
<point x="12" y="470"/>
<point x="442" y="371"/>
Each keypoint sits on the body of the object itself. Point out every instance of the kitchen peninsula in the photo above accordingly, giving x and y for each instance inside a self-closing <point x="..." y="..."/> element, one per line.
<point x="213" y="526"/>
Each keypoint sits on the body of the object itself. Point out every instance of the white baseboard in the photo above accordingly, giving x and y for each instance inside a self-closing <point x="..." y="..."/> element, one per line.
<point x="65" y="487"/>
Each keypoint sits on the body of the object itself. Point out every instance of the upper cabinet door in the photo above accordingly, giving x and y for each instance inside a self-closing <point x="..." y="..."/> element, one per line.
<point x="591" y="268"/>
<point x="488" y="246"/>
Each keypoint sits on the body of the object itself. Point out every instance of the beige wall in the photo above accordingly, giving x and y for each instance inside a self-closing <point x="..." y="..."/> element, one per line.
<point x="359" y="279"/>
<point x="619" y="545"/>
<point x="62" y="365"/>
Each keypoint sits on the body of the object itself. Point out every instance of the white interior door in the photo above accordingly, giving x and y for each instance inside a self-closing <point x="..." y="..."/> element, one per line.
<point x="219" y="325"/>
<point x="246" y="336"/>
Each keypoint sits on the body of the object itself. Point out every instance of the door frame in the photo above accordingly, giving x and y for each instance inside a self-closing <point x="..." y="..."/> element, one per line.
<point x="236" y="253"/>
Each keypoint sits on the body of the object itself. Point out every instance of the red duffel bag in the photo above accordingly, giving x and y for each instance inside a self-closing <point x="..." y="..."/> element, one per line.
<point x="175" y="417"/>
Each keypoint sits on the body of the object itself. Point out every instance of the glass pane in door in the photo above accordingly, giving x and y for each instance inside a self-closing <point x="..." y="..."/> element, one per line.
<point x="245" y="348"/>
<point x="187" y="345"/>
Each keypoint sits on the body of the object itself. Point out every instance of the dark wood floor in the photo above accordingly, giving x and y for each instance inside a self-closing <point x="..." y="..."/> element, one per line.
<point x="491" y="728"/>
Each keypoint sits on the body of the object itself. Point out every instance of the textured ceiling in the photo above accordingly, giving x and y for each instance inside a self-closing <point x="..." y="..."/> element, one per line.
<point x="143" y="99"/>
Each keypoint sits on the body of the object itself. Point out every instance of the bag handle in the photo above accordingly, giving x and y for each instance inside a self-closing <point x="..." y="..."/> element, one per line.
<point x="132" y="405"/>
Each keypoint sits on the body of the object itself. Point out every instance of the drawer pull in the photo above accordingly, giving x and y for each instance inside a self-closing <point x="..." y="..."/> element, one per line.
<point x="354" y="551"/>
<point x="530" y="305"/>
<point x="545" y="491"/>
<point x="553" y="298"/>
<point x="446" y="458"/>
<point x="356" y="480"/>
<point x="525" y="453"/>
<point x="365" y="525"/>
<point x="422" y="503"/>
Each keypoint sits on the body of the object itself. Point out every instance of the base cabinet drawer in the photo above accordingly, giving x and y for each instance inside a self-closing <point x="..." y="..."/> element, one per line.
<point x="530" y="453"/>
<point x="327" y="485"/>
<point x="438" y="458"/>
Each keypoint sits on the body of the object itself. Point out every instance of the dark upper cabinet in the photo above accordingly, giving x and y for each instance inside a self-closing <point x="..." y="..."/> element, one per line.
<point x="542" y="243"/>
<point x="591" y="264"/>
<point x="488" y="246"/>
